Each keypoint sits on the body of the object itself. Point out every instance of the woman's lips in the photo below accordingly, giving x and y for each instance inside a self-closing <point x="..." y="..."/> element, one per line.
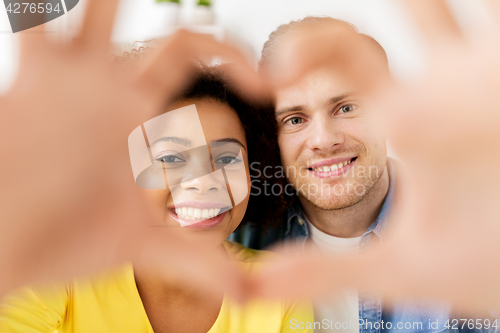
<point x="193" y="213"/>
<point x="189" y="216"/>
<point x="200" y="204"/>
<point x="209" y="223"/>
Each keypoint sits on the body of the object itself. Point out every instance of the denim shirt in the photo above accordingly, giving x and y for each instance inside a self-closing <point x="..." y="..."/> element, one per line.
<point x="404" y="316"/>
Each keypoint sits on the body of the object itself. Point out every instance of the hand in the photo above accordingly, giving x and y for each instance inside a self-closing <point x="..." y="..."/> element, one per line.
<point x="443" y="239"/>
<point x="68" y="202"/>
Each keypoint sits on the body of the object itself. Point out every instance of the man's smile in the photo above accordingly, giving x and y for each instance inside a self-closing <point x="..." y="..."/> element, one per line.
<point x="332" y="167"/>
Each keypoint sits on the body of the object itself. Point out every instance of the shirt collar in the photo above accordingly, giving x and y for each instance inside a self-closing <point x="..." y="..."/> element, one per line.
<point x="295" y="214"/>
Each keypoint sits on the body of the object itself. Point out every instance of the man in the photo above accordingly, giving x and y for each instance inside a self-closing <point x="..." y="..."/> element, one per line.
<point x="344" y="182"/>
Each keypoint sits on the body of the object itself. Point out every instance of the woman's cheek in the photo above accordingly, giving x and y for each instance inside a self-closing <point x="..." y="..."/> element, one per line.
<point x="157" y="199"/>
<point x="238" y="179"/>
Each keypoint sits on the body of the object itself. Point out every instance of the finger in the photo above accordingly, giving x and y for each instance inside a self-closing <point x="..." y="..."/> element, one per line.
<point x="494" y="6"/>
<point x="33" y="40"/>
<point x="319" y="276"/>
<point x="184" y="263"/>
<point x="358" y="57"/>
<point x="307" y="276"/>
<point x="32" y="43"/>
<point x="98" y="23"/>
<point x="168" y="68"/>
<point x="434" y="19"/>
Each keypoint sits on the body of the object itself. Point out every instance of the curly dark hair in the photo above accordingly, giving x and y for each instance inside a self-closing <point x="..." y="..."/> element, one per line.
<point x="257" y="118"/>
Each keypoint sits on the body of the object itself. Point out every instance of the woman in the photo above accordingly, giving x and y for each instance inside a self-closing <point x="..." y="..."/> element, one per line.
<point x="192" y="195"/>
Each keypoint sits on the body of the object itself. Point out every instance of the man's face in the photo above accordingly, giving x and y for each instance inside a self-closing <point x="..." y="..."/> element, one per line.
<point x="330" y="152"/>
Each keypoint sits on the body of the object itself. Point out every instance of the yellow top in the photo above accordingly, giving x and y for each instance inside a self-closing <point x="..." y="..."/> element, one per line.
<point x="110" y="303"/>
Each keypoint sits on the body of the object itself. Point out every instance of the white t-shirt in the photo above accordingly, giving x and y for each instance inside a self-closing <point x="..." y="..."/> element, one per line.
<point x="340" y="313"/>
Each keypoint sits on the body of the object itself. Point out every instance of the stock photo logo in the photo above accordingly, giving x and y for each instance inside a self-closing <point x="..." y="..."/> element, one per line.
<point x="26" y="14"/>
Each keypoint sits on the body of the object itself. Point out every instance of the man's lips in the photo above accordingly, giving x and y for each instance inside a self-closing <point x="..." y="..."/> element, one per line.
<point x="325" y="170"/>
<point x="331" y="164"/>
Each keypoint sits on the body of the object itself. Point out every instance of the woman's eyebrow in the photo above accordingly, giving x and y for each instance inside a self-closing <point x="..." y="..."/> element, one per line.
<point x="174" y="139"/>
<point x="225" y="140"/>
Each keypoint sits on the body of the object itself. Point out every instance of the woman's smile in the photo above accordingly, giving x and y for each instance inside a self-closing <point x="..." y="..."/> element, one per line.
<point x="198" y="214"/>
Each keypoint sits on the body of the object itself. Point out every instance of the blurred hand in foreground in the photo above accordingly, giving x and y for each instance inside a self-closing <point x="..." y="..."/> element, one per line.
<point x="68" y="202"/>
<point x="443" y="239"/>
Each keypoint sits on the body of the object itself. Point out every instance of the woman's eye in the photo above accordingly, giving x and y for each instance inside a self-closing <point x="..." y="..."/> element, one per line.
<point x="169" y="159"/>
<point x="295" y="121"/>
<point x="228" y="160"/>
<point x="346" y="108"/>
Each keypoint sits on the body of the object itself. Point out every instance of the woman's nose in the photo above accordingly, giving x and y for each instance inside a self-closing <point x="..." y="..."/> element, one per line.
<point x="213" y="181"/>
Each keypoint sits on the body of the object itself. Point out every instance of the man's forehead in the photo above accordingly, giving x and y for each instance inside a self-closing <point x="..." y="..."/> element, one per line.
<point x="317" y="89"/>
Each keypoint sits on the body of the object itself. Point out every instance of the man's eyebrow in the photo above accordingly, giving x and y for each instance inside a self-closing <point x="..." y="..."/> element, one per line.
<point x="174" y="139"/>
<point x="294" y="108"/>
<point x="220" y="142"/>
<point x="338" y="98"/>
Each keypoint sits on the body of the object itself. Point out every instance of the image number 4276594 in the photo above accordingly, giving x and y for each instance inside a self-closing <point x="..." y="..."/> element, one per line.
<point x="26" y="14"/>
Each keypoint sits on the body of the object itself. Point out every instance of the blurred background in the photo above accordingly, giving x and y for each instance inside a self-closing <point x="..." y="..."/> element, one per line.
<point x="247" y="21"/>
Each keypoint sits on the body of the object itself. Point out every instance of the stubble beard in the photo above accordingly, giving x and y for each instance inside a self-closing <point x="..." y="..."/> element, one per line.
<point x="346" y="193"/>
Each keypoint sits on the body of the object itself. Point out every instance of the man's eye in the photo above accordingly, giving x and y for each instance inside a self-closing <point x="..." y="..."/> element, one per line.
<point x="346" y="108"/>
<point x="295" y="121"/>
<point x="169" y="159"/>
<point x="228" y="160"/>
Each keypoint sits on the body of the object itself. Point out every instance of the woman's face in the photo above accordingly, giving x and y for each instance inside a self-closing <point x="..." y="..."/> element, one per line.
<point x="197" y="197"/>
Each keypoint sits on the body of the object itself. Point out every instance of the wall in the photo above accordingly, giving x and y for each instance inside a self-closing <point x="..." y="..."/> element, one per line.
<point x="254" y="20"/>
<point x="249" y="20"/>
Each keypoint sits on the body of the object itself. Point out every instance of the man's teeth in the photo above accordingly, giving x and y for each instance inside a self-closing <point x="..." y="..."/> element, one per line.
<point x="191" y="213"/>
<point x="333" y="167"/>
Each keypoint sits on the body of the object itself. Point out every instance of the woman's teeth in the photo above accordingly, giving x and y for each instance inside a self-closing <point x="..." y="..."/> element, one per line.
<point x="191" y="213"/>
<point x="332" y="167"/>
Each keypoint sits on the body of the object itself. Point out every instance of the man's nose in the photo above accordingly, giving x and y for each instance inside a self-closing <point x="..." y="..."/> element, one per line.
<point x="324" y="134"/>
<point x="213" y="181"/>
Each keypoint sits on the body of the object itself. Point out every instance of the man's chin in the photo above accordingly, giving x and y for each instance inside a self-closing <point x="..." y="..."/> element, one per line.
<point x="335" y="196"/>
<point x="336" y="203"/>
